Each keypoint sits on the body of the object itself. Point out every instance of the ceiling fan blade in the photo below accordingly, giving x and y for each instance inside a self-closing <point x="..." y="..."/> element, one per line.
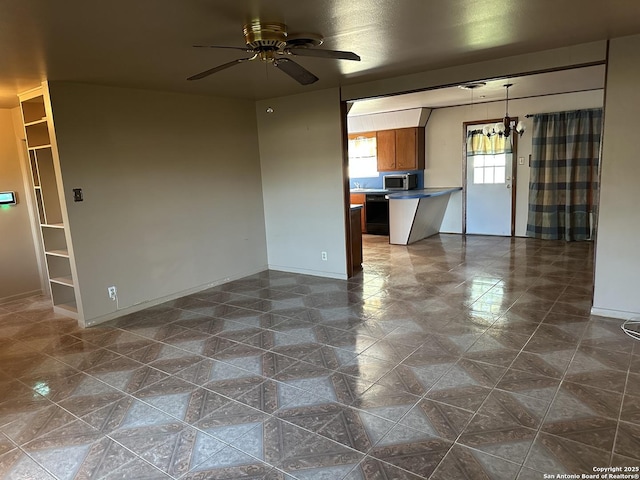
<point x="317" y="52"/>
<point x="295" y="71"/>
<point x="219" y="68"/>
<point x="244" y="49"/>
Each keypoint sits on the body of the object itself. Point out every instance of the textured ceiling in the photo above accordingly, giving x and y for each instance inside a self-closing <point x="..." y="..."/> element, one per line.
<point x="148" y="43"/>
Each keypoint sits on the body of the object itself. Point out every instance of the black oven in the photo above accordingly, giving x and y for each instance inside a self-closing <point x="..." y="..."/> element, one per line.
<point x="377" y="217"/>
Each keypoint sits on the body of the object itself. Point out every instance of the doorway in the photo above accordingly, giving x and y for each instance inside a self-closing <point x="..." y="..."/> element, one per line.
<point x="490" y="184"/>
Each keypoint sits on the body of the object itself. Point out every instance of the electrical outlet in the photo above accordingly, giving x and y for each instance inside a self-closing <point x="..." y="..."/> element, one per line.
<point x="113" y="292"/>
<point x="324" y="256"/>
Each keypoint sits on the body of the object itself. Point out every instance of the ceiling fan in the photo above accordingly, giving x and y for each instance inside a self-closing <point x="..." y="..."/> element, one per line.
<point x="270" y="43"/>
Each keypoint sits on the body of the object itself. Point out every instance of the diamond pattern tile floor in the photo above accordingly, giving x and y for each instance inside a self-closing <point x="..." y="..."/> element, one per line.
<point x="453" y="358"/>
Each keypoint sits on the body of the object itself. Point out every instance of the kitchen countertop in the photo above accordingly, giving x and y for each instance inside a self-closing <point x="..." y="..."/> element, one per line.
<point x="370" y="190"/>
<point x="421" y="193"/>
<point x="404" y="194"/>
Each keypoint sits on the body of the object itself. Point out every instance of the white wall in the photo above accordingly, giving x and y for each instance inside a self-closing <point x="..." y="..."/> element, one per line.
<point x="444" y="146"/>
<point x="412" y="117"/>
<point x="616" y="291"/>
<point x="301" y="157"/>
<point x="172" y="188"/>
<point x="19" y="273"/>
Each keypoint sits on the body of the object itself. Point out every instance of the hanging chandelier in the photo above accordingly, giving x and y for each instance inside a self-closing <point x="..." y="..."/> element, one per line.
<point x="506" y="126"/>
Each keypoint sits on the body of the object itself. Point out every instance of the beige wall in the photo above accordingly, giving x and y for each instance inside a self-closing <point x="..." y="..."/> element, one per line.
<point x="502" y="67"/>
<point x="172" y="188"/>
<point x="617" y="254"/>
<point x="19" y="273"/>
<point x="444" y="133"/>
<point x="174" y="195"/>
<point x="301" y="157"/>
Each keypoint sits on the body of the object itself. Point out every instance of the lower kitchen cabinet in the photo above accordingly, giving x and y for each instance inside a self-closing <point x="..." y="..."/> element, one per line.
<point x="359" y="199"/>
<point x="356" y="238"/>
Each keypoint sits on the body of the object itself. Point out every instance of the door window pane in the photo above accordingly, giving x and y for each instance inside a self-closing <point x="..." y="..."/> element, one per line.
<point x="489" y="168"/>
<point x="478" y="175"/>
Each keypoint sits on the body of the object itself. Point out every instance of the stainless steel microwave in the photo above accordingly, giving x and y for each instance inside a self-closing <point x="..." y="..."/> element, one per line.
<point x="402" y="181"/>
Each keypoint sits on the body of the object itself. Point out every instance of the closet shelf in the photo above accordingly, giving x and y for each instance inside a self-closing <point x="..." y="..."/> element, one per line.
<point x="66" y="308"/>
<point x="68" y="281"/>
<point x="36" y="122"/>
<point x="58" y="253"/>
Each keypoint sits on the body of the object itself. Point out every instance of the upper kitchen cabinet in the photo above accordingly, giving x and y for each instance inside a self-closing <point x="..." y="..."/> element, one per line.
<point x="400" y="149"/>
<point x="386" y="144"/>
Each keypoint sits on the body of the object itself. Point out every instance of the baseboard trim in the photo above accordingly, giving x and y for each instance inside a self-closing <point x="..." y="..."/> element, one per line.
<point x="157" y="301"/>
<point x="620" y="314"/>
<point x="19" y="296"/>
<point x="303" y="271"/>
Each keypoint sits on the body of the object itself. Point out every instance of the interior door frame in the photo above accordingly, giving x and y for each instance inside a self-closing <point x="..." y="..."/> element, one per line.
<point x="514" y="170"/>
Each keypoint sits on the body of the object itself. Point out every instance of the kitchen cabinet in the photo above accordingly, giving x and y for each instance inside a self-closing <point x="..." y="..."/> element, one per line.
<point x="401" y="149"/>
<point x="355" y="221"/>
<point x="360" y="199"/>
<point x="386" y="150"/>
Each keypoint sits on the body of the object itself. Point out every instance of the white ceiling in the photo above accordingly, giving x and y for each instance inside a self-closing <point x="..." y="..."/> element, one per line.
<point x="147" y="43"/>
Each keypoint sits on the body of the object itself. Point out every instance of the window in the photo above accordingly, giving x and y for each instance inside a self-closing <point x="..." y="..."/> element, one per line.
<point x="363" y="161"/>
<point x="489" y="168"/>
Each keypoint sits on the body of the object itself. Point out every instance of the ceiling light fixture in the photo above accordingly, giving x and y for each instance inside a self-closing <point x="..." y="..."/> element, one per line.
<point x="505" y="127"/>
<point x="471" y="85"/>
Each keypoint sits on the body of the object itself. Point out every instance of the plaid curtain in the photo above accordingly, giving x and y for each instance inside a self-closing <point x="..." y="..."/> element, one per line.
<point x="564" y="174"/>
<point x="479" y="144"/>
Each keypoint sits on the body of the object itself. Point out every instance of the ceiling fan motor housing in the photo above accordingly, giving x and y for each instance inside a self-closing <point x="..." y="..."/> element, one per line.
<point x="265" y="36"/>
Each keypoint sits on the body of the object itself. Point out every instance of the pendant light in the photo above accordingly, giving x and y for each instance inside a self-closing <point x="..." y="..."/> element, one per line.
<point x="505" y="127"/>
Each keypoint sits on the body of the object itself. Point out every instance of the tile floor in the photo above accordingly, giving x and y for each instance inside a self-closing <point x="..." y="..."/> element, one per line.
<point x="450" y="359"/>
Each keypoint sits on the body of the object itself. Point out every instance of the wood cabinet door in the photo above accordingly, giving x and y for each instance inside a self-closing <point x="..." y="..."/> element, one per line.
<point x="406" y="142"/>
<point x="356" y="240"/>
<point x="386" y="150"/>
<point x="360" y="199"/>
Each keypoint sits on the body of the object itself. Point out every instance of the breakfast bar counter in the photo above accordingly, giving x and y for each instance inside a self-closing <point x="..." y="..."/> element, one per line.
<point x="417" y="214"/>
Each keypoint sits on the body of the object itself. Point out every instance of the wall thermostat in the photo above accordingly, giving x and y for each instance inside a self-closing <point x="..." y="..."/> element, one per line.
<point x="7" y="198"/>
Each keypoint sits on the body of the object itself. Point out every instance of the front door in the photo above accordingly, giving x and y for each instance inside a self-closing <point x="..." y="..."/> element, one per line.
<point x="489" y="190"/>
